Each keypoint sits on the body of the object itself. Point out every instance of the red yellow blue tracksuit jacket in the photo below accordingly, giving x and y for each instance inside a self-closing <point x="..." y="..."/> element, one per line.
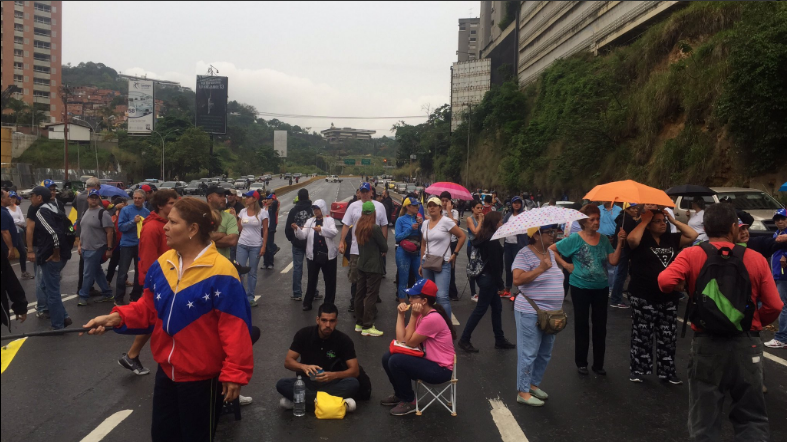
<point x="199" y="320"/>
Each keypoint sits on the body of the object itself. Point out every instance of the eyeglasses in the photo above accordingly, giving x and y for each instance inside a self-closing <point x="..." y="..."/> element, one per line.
<point x="550" y="232"/>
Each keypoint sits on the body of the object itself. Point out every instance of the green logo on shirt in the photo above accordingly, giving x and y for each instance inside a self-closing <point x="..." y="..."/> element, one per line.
<point x="331" y="354"/>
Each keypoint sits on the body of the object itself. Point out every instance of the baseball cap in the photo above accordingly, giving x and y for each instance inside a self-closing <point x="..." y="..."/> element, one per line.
<point x="42" y="191"/>
<point x="93" y="192"/>
<point x="627" y="205"/>
<point x="410" y="202"/>
<point x="423" y="287"/>
<point x="515" y="199"/>
<point x="49" y="183"/>
<point x="434" y="200"/>
<point x="145" y="188"/>
<point x="781" y="213"/>
<point x="367" y="207"/>
<point x="741" y="223"/>
<point x="365" y="187"/>
<point x="217" y="190"/>
<point x="13" y="194"/>
<point x="253" y="194"/>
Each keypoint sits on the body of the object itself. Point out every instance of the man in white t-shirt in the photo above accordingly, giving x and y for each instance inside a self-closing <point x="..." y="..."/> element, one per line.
<point x="351" y="216"/>
<point x="450" y="212"/>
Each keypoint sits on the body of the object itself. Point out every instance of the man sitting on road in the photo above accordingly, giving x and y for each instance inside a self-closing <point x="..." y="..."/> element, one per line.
<point x="327" y="362"/>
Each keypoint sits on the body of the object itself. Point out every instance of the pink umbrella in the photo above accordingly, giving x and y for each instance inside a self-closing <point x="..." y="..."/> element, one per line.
<point x="456" y="191"/>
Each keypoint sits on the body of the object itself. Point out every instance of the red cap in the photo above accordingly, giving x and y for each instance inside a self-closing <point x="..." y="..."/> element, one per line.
<point x="146" y="188"/>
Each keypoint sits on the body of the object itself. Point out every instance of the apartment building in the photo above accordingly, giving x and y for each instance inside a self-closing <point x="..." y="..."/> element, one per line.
<point x="31" y="53"/>
<point x="339" y="135"/>
<point x="467" y="49"/>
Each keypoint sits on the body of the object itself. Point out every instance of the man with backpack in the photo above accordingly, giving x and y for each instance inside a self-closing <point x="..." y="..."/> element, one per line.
<point x="726" y="284"/>
<point x="298" y="215"/>
<point x="96" y="243"/>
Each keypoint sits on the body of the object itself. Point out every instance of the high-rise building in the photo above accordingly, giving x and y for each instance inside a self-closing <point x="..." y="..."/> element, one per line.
<point x="31" y="53"/>
<point x="468" y="39"/>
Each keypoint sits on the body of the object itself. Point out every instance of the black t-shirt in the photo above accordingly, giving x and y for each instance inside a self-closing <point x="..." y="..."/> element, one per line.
<point x="31" y="215"/>
<point x="331" y="354"/>
<point x="648" y="260"/>
<point x="319" y="241"/>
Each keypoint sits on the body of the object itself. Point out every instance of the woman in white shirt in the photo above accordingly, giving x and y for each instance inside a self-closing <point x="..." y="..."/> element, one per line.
<point x="253" y="226"/>
<point x="320" y="234"/>
<point x="21" y="224"/>
<point x="437" y="233"/>
<point x="695" y="221"/>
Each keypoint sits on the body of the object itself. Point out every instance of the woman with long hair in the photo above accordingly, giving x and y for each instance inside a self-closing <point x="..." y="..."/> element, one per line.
<point x="429" y="328"/>
<point x="371" y="246"/>
<point x="590" y="252"/>
<point x="253" y="227"/>
<point x="408" y="239"/>
<point x="474" y="222"/>
<point x="437" y="242"/>
<point x="203" y="344"/>
<point x="489" y="280"/>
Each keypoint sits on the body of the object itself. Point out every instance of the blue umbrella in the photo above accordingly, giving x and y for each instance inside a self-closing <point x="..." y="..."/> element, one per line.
<point x="109" y="191"/>
<point x="783" y="188"/>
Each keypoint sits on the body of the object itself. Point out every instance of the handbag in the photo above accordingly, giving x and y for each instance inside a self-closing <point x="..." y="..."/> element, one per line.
<point x="550" y="322"/>
<point x="397" y="347"/>
<point x="329" y="407"/>
<point x="433" y="262"/>
<point x="408" y="246"/>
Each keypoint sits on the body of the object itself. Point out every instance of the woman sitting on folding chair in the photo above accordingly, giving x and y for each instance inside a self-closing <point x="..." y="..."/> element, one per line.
<point x="429" y="328"/>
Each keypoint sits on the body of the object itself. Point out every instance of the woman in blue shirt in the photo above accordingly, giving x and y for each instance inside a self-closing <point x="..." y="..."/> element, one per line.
<point x="408" y="229"/>
<point x="590" y="252"/>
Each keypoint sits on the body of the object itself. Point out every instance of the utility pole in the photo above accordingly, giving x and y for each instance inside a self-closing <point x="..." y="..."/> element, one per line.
<point x="64" y="92"/>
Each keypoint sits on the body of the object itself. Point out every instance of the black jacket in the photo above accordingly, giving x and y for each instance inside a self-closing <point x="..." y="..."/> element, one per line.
<point x="298" y="215"/>
<point x="50" y="233"/>
<point x="388" y="204"/>
<point x="492" y="256"/>
<point x="12" y="293"/>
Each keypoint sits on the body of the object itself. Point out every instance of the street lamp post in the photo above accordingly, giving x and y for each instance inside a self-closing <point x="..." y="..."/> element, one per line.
<point x="92" y="139"/>
<point x="162" y="149"/>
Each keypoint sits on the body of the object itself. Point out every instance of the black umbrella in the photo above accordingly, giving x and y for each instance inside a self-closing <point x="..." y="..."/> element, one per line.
<point x="690" y="190"/>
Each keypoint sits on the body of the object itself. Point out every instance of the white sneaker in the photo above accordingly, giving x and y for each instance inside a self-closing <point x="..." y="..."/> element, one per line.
<point x="286" y="404"/>
<point x="350" y="404"/>
<point x="773" y="343"/>
<point x="474" y="298"/>
<point x="244" y="400"/>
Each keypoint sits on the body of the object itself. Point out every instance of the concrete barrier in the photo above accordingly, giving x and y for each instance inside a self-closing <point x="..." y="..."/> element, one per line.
<point x="284" y="189"/>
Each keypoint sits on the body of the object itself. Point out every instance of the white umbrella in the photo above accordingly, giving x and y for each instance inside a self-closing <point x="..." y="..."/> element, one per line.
<point x="543" y="216"/>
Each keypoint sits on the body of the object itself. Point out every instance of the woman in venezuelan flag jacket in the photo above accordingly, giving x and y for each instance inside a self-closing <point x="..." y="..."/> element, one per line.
<point x="196" y="309"/>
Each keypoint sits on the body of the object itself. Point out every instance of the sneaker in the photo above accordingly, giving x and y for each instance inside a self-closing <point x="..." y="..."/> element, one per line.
<point x="474" y="298"/>
<point x="27" y="275"/>
<point x="620" y="305"/>
<point x="533" y="401"/>
<point x="505" y="344"/>
<point x="106" y="299"/>
<point x="599" y="371"/>
<point x="634" y="377"/>
<point x="286" y="403"/>
<point x="244" y="400"/>
<point x="297" y="298"/>
<point x="253" y="303"/>
<point x="133" y="364"/>
<point x="672" y="379"/>
<point x="350" y="403"/>
<point x="582" y="370"/>
<point x="82" y="302"/>
<point x="775" y="343"/>
<point x="467" y="346"/>
<point x="42" y="315"/>
<point x="372" y="331"/>
<point x="67" y="321"/>
<point x="358" y="328"/>
<point x="390" y="401"/>
<point x="403" y="408"/>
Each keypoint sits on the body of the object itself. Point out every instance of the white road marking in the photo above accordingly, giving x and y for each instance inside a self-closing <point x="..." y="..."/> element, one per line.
<point x="453" y="319"/>
<point x="287" y="269"/>
<point x="767" y="355"/>
<point x="509" y="429"/>
<point x="108" y="425"/>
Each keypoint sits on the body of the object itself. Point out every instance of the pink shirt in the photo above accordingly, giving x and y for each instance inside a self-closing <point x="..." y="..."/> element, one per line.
<point x="439" y="347"/>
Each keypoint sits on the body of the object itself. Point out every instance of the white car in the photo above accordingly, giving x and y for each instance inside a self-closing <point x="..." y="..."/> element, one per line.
<point x="333" y="179"/>
<point x="258" y="186"/>
<point x="25" y="193"/>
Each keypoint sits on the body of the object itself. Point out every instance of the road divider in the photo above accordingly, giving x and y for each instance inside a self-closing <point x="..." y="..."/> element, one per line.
<point x="284" y="189"/>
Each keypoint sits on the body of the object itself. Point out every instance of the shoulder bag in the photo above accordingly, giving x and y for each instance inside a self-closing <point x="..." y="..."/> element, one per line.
<point x="433" y="262"/>
<point x="327" y="406"/>
<point x="550" y="322"/>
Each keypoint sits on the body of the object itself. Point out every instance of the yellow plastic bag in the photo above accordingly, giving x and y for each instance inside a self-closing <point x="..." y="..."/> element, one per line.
<point x="329" y="407"/>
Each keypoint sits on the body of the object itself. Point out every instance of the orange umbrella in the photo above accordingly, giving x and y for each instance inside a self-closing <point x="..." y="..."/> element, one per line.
<point x="631" y="192"/>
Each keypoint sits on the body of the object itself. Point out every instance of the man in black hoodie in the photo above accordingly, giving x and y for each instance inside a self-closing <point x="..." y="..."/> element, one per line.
<point x="298" y="215"/>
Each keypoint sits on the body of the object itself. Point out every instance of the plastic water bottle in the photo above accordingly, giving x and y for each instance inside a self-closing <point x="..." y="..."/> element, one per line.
<point x="299" y="398"/>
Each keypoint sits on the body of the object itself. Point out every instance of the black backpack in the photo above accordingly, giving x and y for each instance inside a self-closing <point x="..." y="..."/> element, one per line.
<point x="722" y="302"/>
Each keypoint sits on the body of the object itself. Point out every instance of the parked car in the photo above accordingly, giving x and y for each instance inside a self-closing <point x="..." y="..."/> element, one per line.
<point x="177" y="186"/>
<point x="8" y="185"/>
<point x="260" y="187"/>
<point x="333" y="179"/>
<point x="240" y="184"/>
<point x="755" y="202"/>
<point x="25" y="193"/>
<point x="401" y="188"/>
<point x="226" y="185"/>
<point x="130" y="190"/>
<point x="195" y="187"/>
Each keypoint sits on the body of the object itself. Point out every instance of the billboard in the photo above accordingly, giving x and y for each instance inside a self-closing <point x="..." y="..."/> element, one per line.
<point x="212" y="104"/>
<point x="469" y="82"/>
<point x="280" y="142"/>
<point x="140" y="107"/>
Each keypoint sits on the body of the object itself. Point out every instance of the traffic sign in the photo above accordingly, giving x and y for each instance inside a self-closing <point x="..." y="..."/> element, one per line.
<point x="366" y="162"/>
<point x="349" y="162"/>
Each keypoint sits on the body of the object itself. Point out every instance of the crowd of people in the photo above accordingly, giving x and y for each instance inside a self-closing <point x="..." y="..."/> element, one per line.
<point x="196" y="282"/>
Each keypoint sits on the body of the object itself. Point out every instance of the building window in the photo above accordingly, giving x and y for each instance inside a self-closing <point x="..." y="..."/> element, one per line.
<point x="41" y="94"/>
<point x="19" y="53"/>
<point x="42" y="69"/>
<point x="472" y="38"/>
<point x="40" y="81"/>
<point x="461" y="27"/>
<point x="473" y="25"/>
<point x="41" y="44"/>
<point x="19" y="40"/>
<point x="18" y="65"/>
<point x="472" y="32"/>
<point x="40" y="19"/>
<point x="18" y="77"/>
<point x="19" y="14"/>
<point x="19" y="3"/>
<point x="41" y="57"/>
<point x="42" y="32"/>
<point x="19" y="27"/>
<point x="42" y="7"/>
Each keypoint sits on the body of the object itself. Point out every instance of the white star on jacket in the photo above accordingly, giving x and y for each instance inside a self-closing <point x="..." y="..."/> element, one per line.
<point x="217" y="294"/>
<point x="190" y="304"/>
<point x="158" y="296"/>
<point x="207" y="296"/>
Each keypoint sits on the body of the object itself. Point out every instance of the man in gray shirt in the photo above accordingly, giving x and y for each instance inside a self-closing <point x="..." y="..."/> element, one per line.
<point x="95" y="246"/>
<point x="80" y="203"/>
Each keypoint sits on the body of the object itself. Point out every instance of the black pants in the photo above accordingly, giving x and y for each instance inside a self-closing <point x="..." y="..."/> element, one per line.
<point x="185" y="411"/>
<point x="592" y="303"/>
<point x="11" y="291"/>
<point x="453" y="293"/>
<point x="653" y="321"/>
<point x="328" y="276"/>
<point x="368" y="290"/>
<point x="113" y="263"/>
<point x="487" y="297"/>
<point x="81" y="273"/>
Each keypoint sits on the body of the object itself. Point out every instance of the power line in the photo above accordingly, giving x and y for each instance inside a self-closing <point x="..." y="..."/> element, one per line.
<point x="273" y="114"/>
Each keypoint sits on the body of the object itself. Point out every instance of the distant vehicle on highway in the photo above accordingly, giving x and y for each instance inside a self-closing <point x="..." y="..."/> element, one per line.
<point x="240" y="184"/>
<point x="297" y="175"/>
<point x="333" y="179"/>
<point x="177" y="186"/>
<point x="755" y="202"/>
<point x="226" y="185"/>
<point x="195" y="187"/>
<point x="401" y="188"/>
<point x="287" y="176"/>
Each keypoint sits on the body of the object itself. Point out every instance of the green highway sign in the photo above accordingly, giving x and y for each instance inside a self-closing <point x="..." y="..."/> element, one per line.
<point x="349" y="162"/>
<point x="366" y="162"/>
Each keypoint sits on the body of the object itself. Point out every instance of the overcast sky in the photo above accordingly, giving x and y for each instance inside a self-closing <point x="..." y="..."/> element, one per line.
<point x="323" y="58"/>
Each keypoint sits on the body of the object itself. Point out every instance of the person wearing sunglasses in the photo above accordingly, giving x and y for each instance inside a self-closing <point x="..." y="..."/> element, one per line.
<point x="654" y="314"/>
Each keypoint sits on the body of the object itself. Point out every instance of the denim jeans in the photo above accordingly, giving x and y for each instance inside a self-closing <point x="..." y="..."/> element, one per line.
<point x="402" y="370"/>
<point x="297" y="270"/>
<point x="41" y="305"/>
<point x="406" y="265"/>
<point x="251" y="254"/>
<point x="509" y="254"/>
<point x="534" y="350"/>
<point x="487" y="296"/>
<point x="94" y="273"/>
<point x="621" y="273"/>
<point x="50" y="285"/>
<point x="128" y="255"/>
<point x="781" y="335"/>
<point x="442" y="279"/>
<point x="611" y="270"/>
